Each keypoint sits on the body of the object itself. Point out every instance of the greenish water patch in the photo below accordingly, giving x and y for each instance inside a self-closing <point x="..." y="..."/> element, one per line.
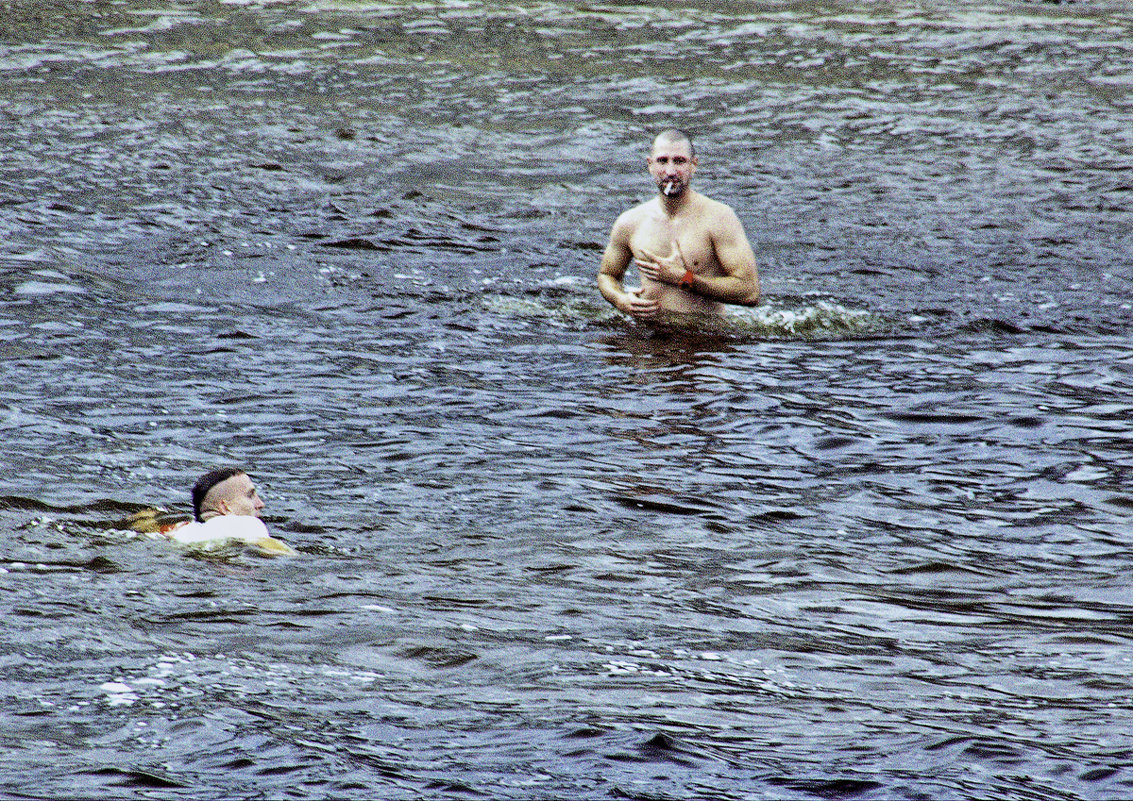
<point x="821" y="320"/>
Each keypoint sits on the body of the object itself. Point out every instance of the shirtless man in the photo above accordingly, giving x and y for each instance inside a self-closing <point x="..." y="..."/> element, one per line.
<point x="691" y="251"/>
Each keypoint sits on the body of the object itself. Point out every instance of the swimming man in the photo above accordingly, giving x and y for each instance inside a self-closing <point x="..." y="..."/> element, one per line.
<point x="691" y="251"/>
<point x="227" y="506"/>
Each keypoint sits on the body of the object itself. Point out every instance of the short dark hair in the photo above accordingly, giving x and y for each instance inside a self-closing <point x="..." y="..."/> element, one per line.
<point x="207" y="482"/>
<point x="677" y="135"/>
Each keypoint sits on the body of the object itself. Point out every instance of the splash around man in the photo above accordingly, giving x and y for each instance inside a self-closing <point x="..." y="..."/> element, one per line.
<point x="691" y="251"/>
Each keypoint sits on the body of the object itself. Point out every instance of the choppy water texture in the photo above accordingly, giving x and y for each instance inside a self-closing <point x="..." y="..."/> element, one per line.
<point x="869" y="540"/>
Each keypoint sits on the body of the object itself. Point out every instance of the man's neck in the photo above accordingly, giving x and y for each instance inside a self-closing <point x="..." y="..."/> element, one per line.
<point x="672" y="205"/>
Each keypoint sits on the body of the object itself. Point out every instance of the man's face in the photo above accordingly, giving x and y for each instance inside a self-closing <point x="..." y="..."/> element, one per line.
<point x="235" y="496"/>
<point x="671" y="164"/>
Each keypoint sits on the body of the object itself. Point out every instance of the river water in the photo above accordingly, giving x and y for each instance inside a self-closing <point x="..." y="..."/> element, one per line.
<point x="870" y="539"/>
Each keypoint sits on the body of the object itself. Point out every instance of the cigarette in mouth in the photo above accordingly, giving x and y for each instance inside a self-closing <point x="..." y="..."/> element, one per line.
<point x="669" y="187"/>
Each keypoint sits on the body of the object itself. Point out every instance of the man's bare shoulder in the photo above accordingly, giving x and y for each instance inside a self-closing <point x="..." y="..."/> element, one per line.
<point x="629" y="221"/>
<point x="633" y="216"/>
<point x="715" y="210"/>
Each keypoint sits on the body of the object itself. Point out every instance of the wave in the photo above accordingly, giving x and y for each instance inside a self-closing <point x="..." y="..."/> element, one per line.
<point x="564" y="304"/>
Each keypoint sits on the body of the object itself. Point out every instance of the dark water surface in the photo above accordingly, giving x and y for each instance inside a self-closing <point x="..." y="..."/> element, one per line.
<point x="871" y="540"/>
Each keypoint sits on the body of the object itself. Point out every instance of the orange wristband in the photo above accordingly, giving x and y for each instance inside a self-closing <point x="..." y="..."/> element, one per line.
<point x="686" y="280"/>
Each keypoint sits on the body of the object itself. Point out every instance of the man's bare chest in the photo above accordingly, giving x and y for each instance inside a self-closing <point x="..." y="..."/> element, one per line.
<point x="657" y="238"/>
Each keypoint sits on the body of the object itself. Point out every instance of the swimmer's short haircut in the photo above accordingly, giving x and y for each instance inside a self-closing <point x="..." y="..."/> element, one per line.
<point x="676" y="135"/>
<point x="207" y="482"/>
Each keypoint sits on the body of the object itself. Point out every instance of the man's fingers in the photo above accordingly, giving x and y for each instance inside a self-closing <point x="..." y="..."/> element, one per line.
<point x="640" y="307"/>
<point x="651" y="269"/>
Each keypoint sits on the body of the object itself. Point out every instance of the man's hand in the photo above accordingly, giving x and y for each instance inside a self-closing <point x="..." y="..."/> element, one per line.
<point x="636" y="306"/>
<point x="663" y="269"/>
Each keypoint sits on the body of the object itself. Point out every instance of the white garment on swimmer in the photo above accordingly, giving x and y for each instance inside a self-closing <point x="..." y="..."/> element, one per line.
<point x="244" y="528"/>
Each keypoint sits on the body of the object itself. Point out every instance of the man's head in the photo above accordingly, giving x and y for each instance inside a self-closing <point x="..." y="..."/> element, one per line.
<point x="226" y="491"/>
<point x="672" y="161"/>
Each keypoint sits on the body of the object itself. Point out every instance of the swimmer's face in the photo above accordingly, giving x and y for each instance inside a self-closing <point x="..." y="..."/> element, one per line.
<point x="671" y="164"/>
<point x="235" y="496"/>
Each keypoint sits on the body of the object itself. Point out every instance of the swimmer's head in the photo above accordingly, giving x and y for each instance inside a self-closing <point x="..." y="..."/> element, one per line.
<point x="674" y="136"/>
<point x="672" y="161"/>
<point x="225" y="491"/>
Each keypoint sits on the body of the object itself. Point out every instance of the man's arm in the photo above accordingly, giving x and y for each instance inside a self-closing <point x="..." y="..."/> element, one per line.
<point x="740" y="282"/>
<point x="615" y="261"/>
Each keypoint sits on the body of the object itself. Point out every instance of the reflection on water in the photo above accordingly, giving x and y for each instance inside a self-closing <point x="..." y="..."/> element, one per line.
<point x="868" y="539"/>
